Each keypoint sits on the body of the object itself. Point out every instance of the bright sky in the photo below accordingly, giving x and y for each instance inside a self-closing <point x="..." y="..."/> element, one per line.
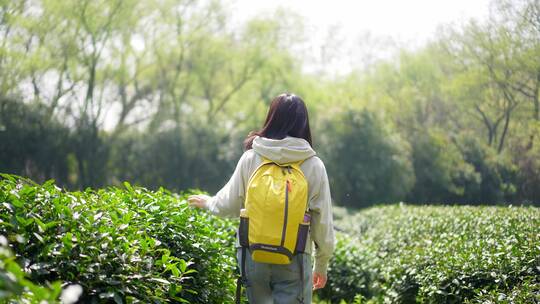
<point x="409" y="22"/>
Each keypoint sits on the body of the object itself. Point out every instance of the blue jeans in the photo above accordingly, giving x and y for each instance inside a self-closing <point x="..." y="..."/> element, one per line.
<point x="277" y="284"/>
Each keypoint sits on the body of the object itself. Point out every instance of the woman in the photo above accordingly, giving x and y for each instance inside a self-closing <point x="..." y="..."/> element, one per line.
<point x="284" y="138"/>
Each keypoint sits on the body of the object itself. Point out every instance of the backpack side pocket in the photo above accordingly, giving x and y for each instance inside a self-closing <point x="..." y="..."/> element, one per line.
<point x="303" y="230"/>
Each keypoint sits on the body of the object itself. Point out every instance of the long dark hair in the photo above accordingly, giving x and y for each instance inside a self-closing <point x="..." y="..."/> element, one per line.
<point x="287" y="116"/>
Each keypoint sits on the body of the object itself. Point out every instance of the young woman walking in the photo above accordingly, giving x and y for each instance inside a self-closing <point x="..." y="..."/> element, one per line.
<point x="285" y="138"/>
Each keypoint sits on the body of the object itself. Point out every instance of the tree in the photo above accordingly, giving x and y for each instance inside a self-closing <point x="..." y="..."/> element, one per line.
<point x="33" y="145"/>
<point x="495" y="67"/>
<point x="440" y="170"/>
<point x="367" y="163"/>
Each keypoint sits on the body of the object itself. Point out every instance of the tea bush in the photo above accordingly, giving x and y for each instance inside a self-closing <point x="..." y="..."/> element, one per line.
<point x="438" y="254"/>
<point x="121" y="245"/>
<point x="14" y="282"/>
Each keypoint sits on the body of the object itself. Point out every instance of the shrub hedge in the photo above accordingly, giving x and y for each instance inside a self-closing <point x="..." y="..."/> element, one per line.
<point x="121" y="245"/>
<point x="137" y="246"/>
<point x="437" y="254"/>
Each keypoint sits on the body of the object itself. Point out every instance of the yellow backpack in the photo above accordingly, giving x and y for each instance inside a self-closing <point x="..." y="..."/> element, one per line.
<point x="274" y="222"/>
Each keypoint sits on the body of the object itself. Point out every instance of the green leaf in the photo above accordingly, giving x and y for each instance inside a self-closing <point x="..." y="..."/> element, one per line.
<point x="118" y="299"/>
<point x="67" y="240"/>
<point x="128" y="186"/>
<point x="160" y="280"/>
<point x="39" y="237"/>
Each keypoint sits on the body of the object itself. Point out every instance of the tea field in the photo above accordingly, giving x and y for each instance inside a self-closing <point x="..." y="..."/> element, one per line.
<point x="120" y="245"/>
<point x="133" y="245"/>
<point x="436" y="254"/>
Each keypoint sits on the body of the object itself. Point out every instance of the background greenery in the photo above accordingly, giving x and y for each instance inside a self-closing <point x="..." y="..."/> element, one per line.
<point x="161" y="93"/>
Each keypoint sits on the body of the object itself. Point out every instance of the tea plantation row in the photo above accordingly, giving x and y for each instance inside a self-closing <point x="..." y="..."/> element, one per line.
<point x="137" y="246"/>
<point x="120" y="246"/>
<point x="437" y="254"/>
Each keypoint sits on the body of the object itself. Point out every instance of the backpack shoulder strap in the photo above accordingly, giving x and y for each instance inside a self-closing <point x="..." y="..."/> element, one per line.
<point x="265" y="161"/>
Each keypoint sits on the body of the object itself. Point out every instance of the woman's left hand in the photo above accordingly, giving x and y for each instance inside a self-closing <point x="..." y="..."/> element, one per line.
<point x="198" y="200"/>
<point x="319" y="280"/>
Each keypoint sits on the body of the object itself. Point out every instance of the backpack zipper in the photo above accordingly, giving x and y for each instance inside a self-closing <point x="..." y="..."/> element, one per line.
<point x="286" y="213"/>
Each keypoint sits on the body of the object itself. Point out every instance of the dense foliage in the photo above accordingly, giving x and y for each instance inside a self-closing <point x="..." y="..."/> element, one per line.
<point x="121" y="245"/>
<point x="133" y="245"/>
<point x="14" y="283"/>
<point x="426" y="254"/>
<point x="359" y="143"/>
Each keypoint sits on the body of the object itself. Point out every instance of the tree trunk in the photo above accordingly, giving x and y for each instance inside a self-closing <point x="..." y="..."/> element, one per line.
<point x="505" y="130"/>
<point x="537" y="98"/>
<point x="91" y="82"/>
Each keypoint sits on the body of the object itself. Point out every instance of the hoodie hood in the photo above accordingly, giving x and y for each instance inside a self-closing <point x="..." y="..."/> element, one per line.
<point x="282" y="151"/>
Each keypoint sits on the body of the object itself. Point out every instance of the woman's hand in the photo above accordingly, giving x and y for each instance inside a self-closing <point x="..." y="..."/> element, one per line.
<point x="198" y="200"/>
<point x="319" y="280"/>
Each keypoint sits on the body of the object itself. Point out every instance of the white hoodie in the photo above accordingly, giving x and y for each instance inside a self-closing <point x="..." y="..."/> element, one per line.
<point x="229" y="200"/>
